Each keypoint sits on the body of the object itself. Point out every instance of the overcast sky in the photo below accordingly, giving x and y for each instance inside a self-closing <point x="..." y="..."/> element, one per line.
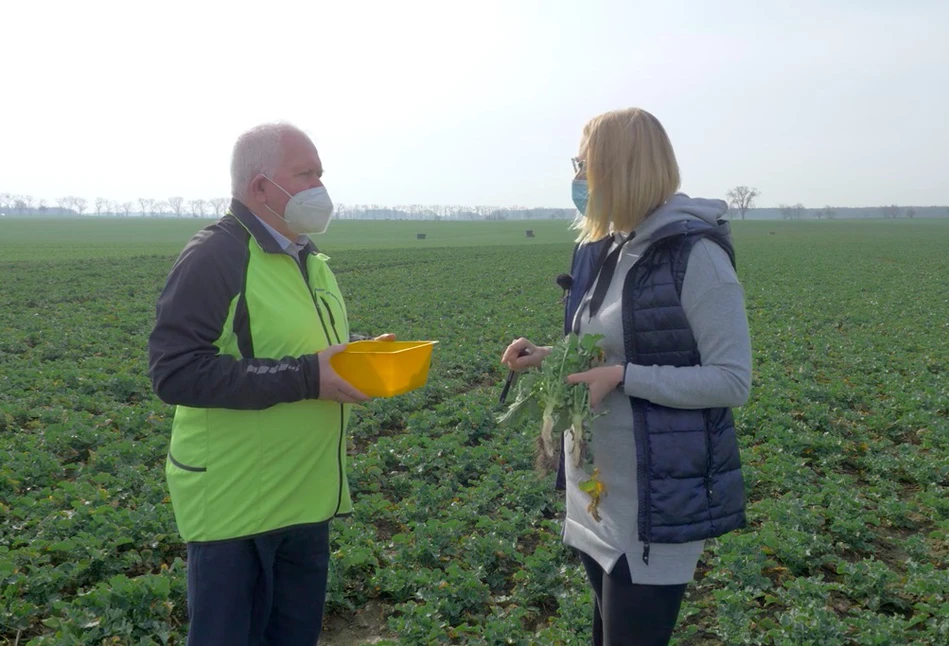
<point x="842" y="102"/>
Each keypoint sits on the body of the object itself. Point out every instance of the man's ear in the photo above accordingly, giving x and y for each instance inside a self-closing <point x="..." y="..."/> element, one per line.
<point x="256" y="189"/>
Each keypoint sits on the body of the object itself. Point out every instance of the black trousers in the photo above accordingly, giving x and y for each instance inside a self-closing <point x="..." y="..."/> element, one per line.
<point x="267" y="590"/>
<point x="627" y="613"/>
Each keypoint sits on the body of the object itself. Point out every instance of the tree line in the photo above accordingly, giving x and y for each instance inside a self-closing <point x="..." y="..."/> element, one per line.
<point x="741" y="199"/>
<point x="179" y="207"/>
<point x="176" y="206"/>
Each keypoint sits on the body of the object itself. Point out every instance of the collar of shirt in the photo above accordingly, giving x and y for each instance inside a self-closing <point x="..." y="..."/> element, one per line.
<point x="289" y="246"/>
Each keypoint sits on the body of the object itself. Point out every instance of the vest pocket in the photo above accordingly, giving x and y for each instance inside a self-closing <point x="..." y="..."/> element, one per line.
<point x="337" y="319"/>
<point x="188" y="450"/>
<point x="185" y="467"/>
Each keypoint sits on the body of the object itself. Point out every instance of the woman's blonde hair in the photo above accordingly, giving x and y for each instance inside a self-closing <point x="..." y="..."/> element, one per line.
<point x="631" y="170"/>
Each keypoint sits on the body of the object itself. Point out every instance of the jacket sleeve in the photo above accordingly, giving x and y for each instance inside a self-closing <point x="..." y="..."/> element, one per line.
<point x="713" y="300"/>
<point x="185" y="364"/>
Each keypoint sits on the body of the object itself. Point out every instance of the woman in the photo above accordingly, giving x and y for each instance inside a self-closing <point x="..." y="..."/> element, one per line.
<point x="654" y="273"/>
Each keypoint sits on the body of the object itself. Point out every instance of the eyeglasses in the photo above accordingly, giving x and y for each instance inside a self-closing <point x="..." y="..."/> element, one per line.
<point x="579" y="165"/>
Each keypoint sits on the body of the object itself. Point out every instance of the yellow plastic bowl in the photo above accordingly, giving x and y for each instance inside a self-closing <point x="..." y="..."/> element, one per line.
<point x="385" y="368"/>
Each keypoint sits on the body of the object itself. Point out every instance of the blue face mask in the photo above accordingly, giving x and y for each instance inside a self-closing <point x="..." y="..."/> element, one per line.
<point x="580" y="195"/>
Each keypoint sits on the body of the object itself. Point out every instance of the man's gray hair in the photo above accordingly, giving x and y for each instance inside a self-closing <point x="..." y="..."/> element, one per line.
<point x="257" y="151"/>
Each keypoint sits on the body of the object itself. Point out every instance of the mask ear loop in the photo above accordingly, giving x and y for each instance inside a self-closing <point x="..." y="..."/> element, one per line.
<point x="278" y="186"/>
<point x="267" y="206"/>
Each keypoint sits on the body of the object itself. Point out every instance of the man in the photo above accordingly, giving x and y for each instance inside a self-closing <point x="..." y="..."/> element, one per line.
<point x="246" y="325"/>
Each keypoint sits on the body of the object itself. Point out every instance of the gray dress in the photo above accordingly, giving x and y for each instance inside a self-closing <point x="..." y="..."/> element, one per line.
<point x="713" y="301"/>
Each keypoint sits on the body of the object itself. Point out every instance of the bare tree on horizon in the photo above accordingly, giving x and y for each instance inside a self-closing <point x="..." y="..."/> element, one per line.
<point x="197" y="208"/>
<point x="145" y="203"/>
<point x="177" y="205"/>
<point x="218" y="204"/>
<point x="742" y="198"/>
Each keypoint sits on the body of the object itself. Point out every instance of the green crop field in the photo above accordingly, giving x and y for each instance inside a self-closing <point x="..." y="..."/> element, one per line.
<point x="455" y="539"/>
<point x="83" y="238"/>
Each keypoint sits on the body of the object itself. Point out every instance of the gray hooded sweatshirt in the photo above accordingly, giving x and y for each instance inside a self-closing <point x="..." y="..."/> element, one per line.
<point x="713" y="301"/>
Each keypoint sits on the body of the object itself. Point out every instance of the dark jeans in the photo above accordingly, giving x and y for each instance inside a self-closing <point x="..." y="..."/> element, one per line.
<point x="264" y="591"/>
<point x="627" y="613"/>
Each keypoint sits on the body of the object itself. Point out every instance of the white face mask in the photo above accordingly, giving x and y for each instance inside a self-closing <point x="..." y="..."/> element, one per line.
<point x="308" y="211"/>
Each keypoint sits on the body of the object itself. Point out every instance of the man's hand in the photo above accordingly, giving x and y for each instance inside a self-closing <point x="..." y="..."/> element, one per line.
<point x="332" y="386"/>
<point x="601" y="381"/>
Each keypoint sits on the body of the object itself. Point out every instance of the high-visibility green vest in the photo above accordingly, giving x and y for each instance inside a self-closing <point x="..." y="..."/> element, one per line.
<point x="238" y="473"/>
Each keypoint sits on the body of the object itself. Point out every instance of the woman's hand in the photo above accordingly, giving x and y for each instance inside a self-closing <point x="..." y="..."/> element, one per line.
<point x="600" y="380"/>
<point x="533" y="359"/>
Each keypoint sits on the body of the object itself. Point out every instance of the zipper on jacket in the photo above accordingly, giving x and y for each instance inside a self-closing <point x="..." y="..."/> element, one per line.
<point x="329" y="310"/>
<point x="708" y="464"/>
<point x="639" y="428"/>
<point x="319" y="313"/>
<point x="342" y="416"/>
<point x="643" y="466"/>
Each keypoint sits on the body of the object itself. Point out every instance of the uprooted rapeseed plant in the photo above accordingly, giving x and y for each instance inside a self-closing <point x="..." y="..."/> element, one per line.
<point x="562" y="408"/>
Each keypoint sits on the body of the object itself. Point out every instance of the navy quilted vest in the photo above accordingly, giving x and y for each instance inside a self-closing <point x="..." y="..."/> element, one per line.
<point x="689" y="471"/>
